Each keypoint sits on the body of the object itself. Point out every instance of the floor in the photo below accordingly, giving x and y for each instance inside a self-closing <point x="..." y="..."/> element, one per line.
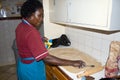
<point x="8" y="72"/>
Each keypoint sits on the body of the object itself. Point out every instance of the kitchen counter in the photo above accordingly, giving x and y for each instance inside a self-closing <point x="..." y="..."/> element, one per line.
<point x="73" y="72"/>
<point x="10" y="18"/>
<point x="97" y="75"/>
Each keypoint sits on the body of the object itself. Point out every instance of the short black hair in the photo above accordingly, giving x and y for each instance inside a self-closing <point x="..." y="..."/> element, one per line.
<point x="29" y="7"/>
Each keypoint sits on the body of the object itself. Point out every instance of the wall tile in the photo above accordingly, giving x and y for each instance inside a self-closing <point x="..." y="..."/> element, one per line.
<point x="92" y="43"/>
<point x="7" y="35"/>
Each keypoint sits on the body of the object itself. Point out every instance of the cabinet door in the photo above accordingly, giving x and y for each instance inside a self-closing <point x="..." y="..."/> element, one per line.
<point x="88" y="12"/>
<point x="53" y="73"/>
<point x="58" y="74"/>
<point x="58" y="10"/>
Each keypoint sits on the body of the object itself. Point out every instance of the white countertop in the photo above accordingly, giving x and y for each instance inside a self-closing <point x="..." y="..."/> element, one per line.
<point x="97" y="75"/>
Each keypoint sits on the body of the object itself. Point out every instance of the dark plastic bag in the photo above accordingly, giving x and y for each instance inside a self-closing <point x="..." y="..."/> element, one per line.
<point x="55" y="42"/>
<point x="63" y="40"/>
<point x="108" y="79"/>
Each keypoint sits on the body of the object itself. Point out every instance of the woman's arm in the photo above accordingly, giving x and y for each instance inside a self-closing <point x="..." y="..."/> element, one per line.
<point x="52" y="60"/>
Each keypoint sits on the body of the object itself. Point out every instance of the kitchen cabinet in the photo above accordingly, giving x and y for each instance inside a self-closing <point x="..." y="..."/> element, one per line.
<point x="95" y="14"/>
<point x="58" y="10"/>
<point x="54" y="73"/>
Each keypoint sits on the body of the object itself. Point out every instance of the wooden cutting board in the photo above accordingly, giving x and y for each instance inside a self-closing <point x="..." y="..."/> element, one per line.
<point x="73" y="54"/>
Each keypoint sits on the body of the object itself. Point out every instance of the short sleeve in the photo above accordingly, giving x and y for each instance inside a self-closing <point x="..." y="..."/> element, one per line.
<point x="36" y="45"/>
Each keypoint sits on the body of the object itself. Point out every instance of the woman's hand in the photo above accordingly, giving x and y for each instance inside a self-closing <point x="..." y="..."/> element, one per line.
<point x="79" y="63"/>
<point x="45" y="39"/>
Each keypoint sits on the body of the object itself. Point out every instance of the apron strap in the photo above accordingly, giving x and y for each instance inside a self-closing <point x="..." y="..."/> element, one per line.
<point x="29" y="58"/>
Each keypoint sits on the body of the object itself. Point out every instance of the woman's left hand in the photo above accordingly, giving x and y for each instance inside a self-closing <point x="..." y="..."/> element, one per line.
<point x="45" y="39"/>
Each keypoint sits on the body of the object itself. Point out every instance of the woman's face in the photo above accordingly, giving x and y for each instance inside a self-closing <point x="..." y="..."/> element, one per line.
<point x="37" y="18"/>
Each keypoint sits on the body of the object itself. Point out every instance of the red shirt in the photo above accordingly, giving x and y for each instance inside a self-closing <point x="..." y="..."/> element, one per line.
<point x="29" y="42"/>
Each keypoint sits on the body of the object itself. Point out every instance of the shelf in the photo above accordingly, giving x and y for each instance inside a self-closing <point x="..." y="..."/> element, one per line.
<point x="10" y="18"/>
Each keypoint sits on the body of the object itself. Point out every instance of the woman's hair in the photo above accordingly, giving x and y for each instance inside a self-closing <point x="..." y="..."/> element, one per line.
<point x="29" y="7"/>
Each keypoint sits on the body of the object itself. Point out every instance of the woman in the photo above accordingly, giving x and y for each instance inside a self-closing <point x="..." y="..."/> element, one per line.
<point x="31" y="48"/>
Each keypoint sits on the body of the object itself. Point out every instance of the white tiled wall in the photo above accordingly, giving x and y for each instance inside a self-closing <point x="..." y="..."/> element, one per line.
<point x="7" y="35"/>
<point x="92" y="43"/>
<point x="51" y="30"/>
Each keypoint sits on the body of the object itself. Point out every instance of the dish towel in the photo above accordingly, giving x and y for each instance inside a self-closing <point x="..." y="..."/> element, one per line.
<point x="113" y="62"/>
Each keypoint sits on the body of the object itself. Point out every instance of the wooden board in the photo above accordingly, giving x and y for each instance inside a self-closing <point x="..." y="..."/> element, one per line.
<point x="73" y="54"/>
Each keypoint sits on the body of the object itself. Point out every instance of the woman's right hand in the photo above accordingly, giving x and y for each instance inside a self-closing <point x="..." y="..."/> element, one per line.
<point x="79" y="63"/>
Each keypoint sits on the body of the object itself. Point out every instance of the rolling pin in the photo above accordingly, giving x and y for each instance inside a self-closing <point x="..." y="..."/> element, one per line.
<point x="90" y="66"/>
<point x="89" y="72"/>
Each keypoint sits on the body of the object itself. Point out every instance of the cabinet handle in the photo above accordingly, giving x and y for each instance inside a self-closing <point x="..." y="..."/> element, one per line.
<point x="55" y="77"/>
<point x="54" y="2"/>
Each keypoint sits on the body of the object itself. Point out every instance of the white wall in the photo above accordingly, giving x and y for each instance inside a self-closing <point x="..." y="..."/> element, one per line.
<point x="7" y="35"/>
<point x="51" y="30"/>
<point x="93" y="43"/>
